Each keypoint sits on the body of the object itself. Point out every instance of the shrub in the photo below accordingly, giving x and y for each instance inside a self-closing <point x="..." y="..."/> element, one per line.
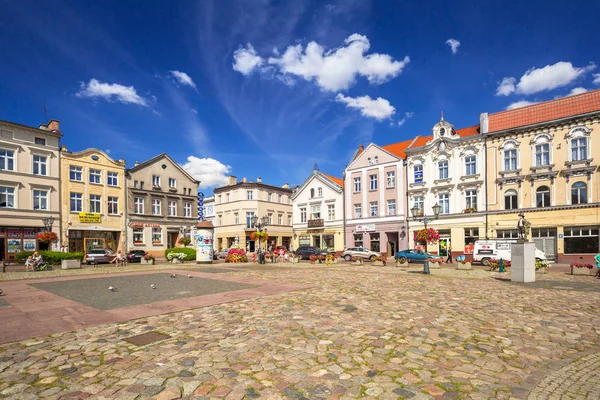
<point x="51" y="257"/>
<point x="180" y="256"/>
<point x="236" y="256"/>
<point x="190" y="254"/>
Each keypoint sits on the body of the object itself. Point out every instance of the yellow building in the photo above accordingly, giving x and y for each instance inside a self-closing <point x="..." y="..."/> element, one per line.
<point x="93" y="200"/>
<point x="543" y="161"/>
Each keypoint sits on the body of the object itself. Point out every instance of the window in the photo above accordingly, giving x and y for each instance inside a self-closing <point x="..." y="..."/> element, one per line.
<point x="226" y="196"/>
<point x="95" y="176"/>
<point x="320" y="192"/>
<point x="40" y="141"/>
<point x="279" y="197"/>
<point x="542" y="196"/>
<point x="374" y="209"/>
<point x="219" y="220"/>
<point x="76" y="202"/>
<point x="289" y="220"/>
<point x="155" y="181"/>
<point x="579" y="149"/>
<point x="302" y="214"/>
<point x="419" y="202"/>
<point x="443" y="169"/>
<point x="358" y="239"/>
<point x="172" y="208"/>
<point x="330" y="212"/>
<point x="470" y="165"/>
<point x="141" y="184"/>
<point x="40" y="165"/>
<point x="75" y="173"/>
<point x="95" y="203"/>
<point x="236" y="218"/>
<point x="270" y="218"/>
<point x="279" y="219"/>
<point x="374" y="241"/>
<point x="391" y="179"/>
<point x="113" y="205"/>
<point x="357" y="211"/>
<point x="40" y="200"/>
<point x="156" y="235"/>
<point x="376" y="160"/>
<point x="172" y="183"/>
<point x="391" y="207"/>
<point x="135" y="184"/>
<point x="582" y="240"/>
<point x="7" y="197"/>
<point x="155" y="207"/>
<point x="138" y="205"/>
<point x="249" y="194"/>
<point x="7" y="160"/>
<point x="507" y="234"/>
<point x="369" y="161"/>
<point x="219" y="199"/>
<point x="316" y="212"/>
<point x="444" y="202"/>
<point x="510" y="200"/>
<point x="269" y="196"/>
<point x="471" y="199"/>
<point x="356" y="185"/>
<point x="249" y="216"/>
<point x="510" y="160"/>
<point x="187" y="210"/>
<point x="542" y="155"/>
<point x="373" y="182"/>
<point x="579" y="193"/>
<point x="112" y="178"/>
<point x="312" y="193"/>
<point x="418" y="171"/>
<point x="138" y="235"/>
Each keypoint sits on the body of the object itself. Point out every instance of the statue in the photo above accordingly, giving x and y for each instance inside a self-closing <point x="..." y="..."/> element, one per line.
<point x="521" y="226"/>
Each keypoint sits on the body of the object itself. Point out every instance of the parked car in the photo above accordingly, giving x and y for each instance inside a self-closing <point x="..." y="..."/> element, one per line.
<point x="135" y="256"/>
<point x="304" y="252"/>
<point x="99" y="256"/>
<point x="412" y="255"/>
<point x="223" y="253"/>
<point x="359" y="252"/>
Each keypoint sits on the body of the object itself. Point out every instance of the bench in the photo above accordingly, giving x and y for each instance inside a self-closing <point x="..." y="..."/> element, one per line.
<point x="9" y="262"/>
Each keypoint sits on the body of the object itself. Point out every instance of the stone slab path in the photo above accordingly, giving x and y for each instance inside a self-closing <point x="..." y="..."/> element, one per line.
<point x="354" y="332"/>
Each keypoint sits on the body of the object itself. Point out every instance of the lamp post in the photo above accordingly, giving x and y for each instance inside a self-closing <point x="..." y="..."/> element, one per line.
<point x="48" y="222"/>
<point x="415" y="214"/>
<point x="260" y="225"/>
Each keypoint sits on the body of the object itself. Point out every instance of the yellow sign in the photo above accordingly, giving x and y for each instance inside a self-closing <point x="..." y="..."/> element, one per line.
<point x="89" y="217"/>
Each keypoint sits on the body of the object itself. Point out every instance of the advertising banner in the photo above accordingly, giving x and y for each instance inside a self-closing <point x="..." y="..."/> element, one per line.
<point x="204" y="245"/>
<point x="200" y="206"/>
<point x="365" y="228"/>
<point x="89" y="217"/>
<point x="14" y="245"/>
<point x="29" y="244"/>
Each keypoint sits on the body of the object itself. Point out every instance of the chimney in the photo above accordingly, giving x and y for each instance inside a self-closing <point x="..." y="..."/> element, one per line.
<point x="285" y="186"/>
<point x="259" y="179"/>
<point x="52" y="126"/>
<point x="483" y="123"/>
<point x="232" y="180"/>
<point x="361" y="147"/>
<point x="244" y="180"/>
<point x="63" y="148"/>
<point x="136" y="164"/>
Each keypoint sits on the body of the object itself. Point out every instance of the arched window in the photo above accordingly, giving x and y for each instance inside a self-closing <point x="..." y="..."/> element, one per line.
<point x="312" y="193"/>
<point x="579" y="193"/>
<point x="369" y="161"/>
<point x="320" y="192"/>
<point x="542" y="196"/>
<point x="376" y="160"/>
<point x="579" y="149"/>
<point x="510" y="200"/>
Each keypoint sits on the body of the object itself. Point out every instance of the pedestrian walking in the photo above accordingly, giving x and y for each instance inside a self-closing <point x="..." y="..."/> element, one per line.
<point x="449" y="258"/>
<point x="597" y="258"/>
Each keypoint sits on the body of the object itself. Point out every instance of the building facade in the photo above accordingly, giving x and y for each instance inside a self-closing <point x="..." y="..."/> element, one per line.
<point x="29" y="185"/>
<point x="238" y="202"/>
<point x="162" y="201"/>
<point x="374" y="195"/>
<point x="543" y="161"/>
<point x="93" y="200"/>
<point x="318" y="212"/>
<point x="448" y="169"/>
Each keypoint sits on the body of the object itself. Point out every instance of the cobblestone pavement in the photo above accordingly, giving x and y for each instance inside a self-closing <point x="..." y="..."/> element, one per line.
<point x="360" y="332"/>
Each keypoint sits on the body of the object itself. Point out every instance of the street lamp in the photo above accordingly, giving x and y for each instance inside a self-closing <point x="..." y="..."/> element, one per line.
<point x="48" y="222"/>
<point x="264" y="221"/>
<point x="415" y="214"/>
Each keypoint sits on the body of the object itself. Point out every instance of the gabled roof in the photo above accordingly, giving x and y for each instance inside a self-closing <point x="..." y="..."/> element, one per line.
<point x="547" y="111"/>
<point x="158" y="157"/>
<point x="337" y="181"/>
<point x="334" y="183"/>
<point x="398" y="148"/>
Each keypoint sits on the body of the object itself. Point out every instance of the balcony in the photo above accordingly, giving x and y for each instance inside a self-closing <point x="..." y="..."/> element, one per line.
<point x="316" y="223"/>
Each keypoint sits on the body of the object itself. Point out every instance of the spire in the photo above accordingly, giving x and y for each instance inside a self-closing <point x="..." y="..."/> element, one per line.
<point x="442" y="115"/>
<point x="316" y="167"/>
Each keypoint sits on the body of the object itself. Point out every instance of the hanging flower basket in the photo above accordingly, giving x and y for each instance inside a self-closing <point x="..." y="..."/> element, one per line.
<point x="429" y="236"/>
<point x="259" y="235"/>
<point x="47" y="237"/>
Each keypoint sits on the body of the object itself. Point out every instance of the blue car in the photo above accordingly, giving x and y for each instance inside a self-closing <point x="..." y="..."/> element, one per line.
<point x="411" y="255"/>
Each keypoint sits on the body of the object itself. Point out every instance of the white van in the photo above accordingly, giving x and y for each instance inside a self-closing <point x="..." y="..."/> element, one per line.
<point x="485" y="250"/>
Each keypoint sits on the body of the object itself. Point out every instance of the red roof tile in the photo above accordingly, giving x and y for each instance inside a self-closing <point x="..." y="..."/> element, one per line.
<point x="546" y="111"/>
<point x="469" y="131"/>
<point x="334" y="179"/>
<point x="398" y="148"/>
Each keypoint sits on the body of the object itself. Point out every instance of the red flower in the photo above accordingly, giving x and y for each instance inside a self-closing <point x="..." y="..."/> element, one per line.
<point x="47" y="237"/>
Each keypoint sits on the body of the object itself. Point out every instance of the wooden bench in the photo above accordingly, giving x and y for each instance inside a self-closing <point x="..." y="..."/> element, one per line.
<point x="11" y="262"/>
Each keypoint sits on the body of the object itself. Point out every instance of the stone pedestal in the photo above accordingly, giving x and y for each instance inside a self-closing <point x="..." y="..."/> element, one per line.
<point x="465" y="266"/>
<point x="70" y="264"/>
<point x="522" y="256"/>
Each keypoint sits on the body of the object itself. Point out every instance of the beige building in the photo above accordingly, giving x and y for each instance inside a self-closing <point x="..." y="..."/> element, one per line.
<point x="93" y="200"/>
<point x="236" y="204"/>
<point x="162" y="205"/>
<point x="29" y="184"/>
<point x="543" y="161"/>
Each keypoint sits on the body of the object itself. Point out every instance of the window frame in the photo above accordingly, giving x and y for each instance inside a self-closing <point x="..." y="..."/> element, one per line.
<point x="187" y="209"/>
<point x="357" y="184"/>
<point x="78" y="200"/>
<point x="373" y="182"/>
<point x="172" y="208"/>
<point x="114" y="200"/>
<point x="303" y="214"/>
<point x="138" y="205"/>
<point x="330" y="212"/>
<point x="471" y="165"/>
<point x="156" y="207"/>
<point x="443" y="165"/>
<point x="513" y="196"/>
<point x="579" y="148"/>
<point x="157" y="232"/>
<point x="74" y="171"/>
<point x="249" y="194"/>
<point x="374" y="209"/>
<point x="418" y="173"/>
<point x="42" y="165"/>
<point x="539" y="192"/>
<point x="97" y="201"/>
<point x="5" y="158"/>
<point x="391" y="179"/>
<point x="444" y="201"/>
<point x="576" y="190"/>
<point x="97" y="174"/>
<point x="112" y="178"/>
<point x="391" y="202"/>
<point x="138" y="231"/>
<point x="40" y="197"/>
<point x="357" y="210"/>
<point x="470" y="197"/>
<point x="4" y="191"/>
<point x="156" y="181"/>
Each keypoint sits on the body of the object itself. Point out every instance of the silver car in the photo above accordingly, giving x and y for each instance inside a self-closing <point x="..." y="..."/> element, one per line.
<point x="359" y="252"/>
<point x="223" y="253"/>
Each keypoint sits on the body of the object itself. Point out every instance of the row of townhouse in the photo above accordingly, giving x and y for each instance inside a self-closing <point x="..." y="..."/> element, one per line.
<point x="88" y="199"/>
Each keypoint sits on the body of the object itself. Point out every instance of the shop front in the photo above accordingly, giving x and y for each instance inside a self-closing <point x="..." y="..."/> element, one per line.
<point x="82" y="240"/>
<point x="16" y="239"/>
<point x="386" y="238"/>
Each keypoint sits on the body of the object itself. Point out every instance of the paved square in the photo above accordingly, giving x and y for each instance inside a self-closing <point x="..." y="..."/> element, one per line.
<point x="133" y="290"/>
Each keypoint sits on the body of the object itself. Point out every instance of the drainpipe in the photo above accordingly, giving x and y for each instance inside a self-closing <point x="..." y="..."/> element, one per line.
<point x="483" y="126"/>
<point x="344" y="210"/>
<point x="60" y="222"/>
<point x="125" y="211"/>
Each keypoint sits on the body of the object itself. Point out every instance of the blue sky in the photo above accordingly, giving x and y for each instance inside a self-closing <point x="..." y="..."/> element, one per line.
<point x="267" y="88"/>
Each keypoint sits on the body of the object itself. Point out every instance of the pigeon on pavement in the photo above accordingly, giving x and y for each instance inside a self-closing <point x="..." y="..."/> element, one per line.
<point x="189" y="276"/>
<point x="152" y="286"/>
<point x="173" y="276"/>
<point x="112" y="289"/>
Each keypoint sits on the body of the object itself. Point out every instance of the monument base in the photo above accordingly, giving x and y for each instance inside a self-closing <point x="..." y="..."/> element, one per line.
<point x="522" y="267"/>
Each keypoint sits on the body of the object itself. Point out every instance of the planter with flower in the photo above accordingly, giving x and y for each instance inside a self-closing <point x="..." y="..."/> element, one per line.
<point x="47" y="237"/>
<point x="494" y="264"/>
<point x="329" y="259"/>
<point x="236" y="256"/>
<point x="313" y="258"/>
<point x="176" y="258"/>
<point x="401" y="262"/>
<point x="426" y="237"/>
<point x="356" y="260"/>
<point x="259" y="236"/>
<point x="463" y="263"/>
<point x="435" y="262"/>
<point x="541" y="265"/>
<point x="379" y="260"/>
<point x="470" y="210"/>
<point x="582" y="269"/>
<point x="148" y="259"/>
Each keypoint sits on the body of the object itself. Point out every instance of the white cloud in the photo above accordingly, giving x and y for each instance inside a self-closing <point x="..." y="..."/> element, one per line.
<point x="208" y="171"/>
<point x="597" y="79"/>
<point x="110" y="91"/>
<point x="335" y="69"/>
<point x="379" y="108"/>
<point x="577" y="90"/>
<point x="407" y="116"/>
<point x="194" y="110"/>
<point x="454" y="45"/>
<point x="246" y="60"/>
<point x="183" y="78"/>
<point x="536" y="80"/>
<point x="519" y="104"/>
<point x="506" y="87"/>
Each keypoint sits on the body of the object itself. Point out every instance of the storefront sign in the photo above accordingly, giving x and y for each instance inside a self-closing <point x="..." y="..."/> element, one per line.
<point x="89" y="217"/>
<point x="14" y="233"/>
<point x="365" y="228"/>
<point x="204" y="245"/>
<point x="469" y="248"/>
<point x="29" y="233"/>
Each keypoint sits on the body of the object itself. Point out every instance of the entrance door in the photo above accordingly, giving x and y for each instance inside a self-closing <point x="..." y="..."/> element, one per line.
<point x="545" y="240"/>
<point x="444" y="244"/>
<point x="2" y="249"/>
<point x="171" y="239"/>
<point x="392" y="248"/>
<point x="317" y="240"/>
<point x="93" y="243"/>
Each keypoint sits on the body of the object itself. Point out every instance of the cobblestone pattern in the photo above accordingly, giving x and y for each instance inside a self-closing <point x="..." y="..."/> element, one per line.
<point x="362" y="332"/>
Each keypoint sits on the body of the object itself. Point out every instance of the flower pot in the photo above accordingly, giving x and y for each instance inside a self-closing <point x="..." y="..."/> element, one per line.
<point x="378" y="263"/>
<point x="465" y="266"/>
<point x="70" y="264"/>
<point x="434" y="265"/>
<point x="151" y="262"/>
<point x="356" y="262"/>
<point x="582" y="271"/>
